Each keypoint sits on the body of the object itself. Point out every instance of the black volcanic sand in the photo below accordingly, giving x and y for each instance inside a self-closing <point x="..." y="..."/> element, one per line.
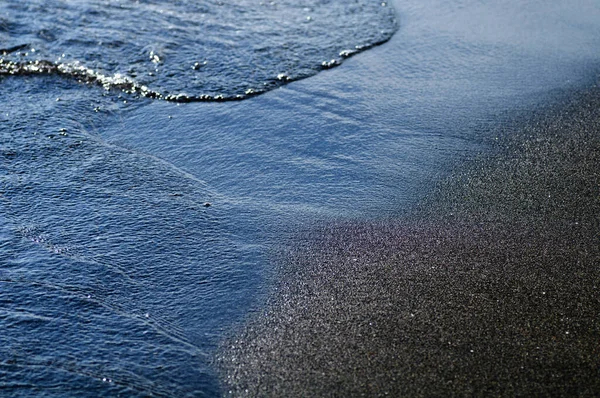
<point x="491" y="288"/>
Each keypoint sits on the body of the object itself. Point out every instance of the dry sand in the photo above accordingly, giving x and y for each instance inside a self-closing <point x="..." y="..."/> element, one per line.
<point x="490" y="288"/>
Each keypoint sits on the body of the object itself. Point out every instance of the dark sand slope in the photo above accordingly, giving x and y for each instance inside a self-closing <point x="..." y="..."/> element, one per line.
<point x="491" y="289"/>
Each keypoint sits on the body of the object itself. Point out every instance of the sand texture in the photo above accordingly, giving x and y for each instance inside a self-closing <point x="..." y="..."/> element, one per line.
<point x="490" y="288"/>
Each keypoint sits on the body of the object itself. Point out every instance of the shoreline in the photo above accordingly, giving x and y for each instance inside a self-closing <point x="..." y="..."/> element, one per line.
<point x="489" y="288"/>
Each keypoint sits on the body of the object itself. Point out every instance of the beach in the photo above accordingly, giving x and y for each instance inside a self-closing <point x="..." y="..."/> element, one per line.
<point x="485" y="282"/>
<point x="489" y="288"/>
<point x="399" y="204"/>
<point x="214" y="199"/>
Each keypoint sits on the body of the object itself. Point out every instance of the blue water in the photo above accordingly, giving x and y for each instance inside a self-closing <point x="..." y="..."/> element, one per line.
<point x="188" y="49"/>
<point x="116" y="279"/>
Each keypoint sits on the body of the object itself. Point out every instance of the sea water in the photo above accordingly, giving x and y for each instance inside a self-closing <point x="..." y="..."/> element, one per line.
<point x="188" y="50"/>
<point x="135" y="231"/>
<point x="119" y="271"/>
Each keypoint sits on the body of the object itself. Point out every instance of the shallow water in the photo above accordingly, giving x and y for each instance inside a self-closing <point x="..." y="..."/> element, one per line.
<point x="115" y="277"/>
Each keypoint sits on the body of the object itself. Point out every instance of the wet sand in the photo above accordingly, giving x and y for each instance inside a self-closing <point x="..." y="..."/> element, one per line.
<point x="490" y="288"/>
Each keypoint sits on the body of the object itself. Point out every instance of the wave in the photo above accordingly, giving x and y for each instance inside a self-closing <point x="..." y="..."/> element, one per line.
<point x="188" y="51"/>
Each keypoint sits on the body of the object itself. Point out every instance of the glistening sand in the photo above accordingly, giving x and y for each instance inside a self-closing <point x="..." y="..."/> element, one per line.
<point x="491" y="288"/>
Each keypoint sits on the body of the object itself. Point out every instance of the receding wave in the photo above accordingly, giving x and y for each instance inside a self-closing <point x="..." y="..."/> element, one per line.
<point x="187" y="50"/>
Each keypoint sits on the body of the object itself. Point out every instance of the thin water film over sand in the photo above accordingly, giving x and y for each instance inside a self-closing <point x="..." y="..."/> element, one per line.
<point x="489" y="288"/>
